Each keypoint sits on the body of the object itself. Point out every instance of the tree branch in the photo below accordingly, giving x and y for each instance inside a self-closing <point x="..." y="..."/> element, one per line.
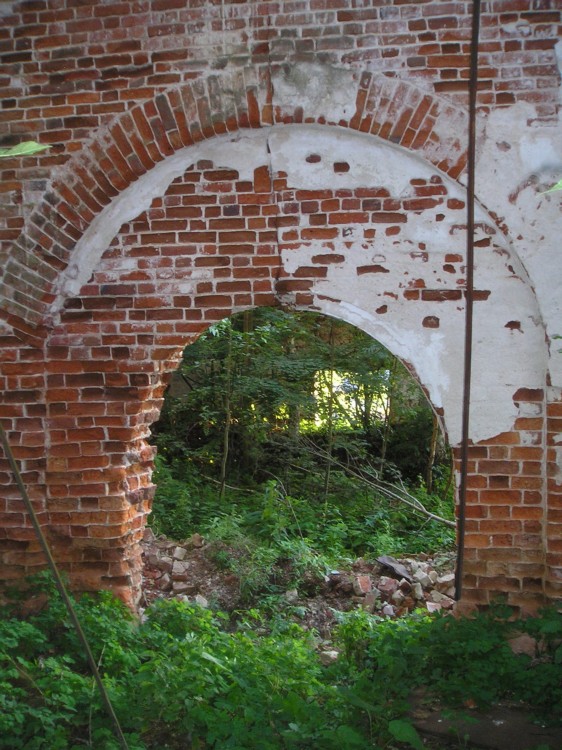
<point x="391" y="491"/>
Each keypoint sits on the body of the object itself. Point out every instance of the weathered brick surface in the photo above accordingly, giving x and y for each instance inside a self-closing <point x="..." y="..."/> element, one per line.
<point x="117" y="90"/>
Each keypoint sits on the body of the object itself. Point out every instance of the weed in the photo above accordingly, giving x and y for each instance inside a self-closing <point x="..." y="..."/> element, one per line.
<point x="180" y="680"/>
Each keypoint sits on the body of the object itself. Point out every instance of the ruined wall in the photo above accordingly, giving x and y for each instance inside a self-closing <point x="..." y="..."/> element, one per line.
<point x="210" y="157"/>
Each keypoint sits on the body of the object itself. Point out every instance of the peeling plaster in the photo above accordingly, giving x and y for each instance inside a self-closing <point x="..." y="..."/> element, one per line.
<point x="328" y="91"/>
<point x="240" y="152"/>
<point x="539" y="154"/>
<point x="372" y="161"/>
<point x="516" y="163"/>
<point x="436" y="354"/>
<point x="288" y="147"/>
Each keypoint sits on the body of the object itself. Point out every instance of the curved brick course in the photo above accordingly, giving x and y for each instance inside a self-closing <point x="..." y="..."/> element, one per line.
<point x="212" y="157"/>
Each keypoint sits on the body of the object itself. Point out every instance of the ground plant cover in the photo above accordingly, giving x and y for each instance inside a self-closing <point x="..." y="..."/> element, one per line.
<point x="186" y="677"/>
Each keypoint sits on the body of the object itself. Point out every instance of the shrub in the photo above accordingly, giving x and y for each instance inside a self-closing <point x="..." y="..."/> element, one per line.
<point x="181" y="680"/>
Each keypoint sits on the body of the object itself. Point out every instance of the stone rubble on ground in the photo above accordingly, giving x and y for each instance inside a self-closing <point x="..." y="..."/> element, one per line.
<point x="389" y="587"/>
<point x="328" y="657"/>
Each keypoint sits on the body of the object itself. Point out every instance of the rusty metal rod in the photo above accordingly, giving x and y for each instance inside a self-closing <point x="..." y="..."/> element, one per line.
<point x="62" y="590"/>
<point x="469" y="294"/>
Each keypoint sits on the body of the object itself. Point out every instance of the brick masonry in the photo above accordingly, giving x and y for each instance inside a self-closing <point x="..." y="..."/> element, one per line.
<point x="207" y="158"/>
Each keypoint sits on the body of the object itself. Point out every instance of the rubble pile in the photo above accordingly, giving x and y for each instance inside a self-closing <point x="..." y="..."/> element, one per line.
<point x="388" y="587"/>
<point x="392" y="588"/>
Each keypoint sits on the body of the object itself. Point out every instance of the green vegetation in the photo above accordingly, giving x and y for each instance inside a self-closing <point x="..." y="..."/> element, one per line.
<point x="295" y="443"/>
<point x="27" y="148"/>
<point x="300" y="428"/>
<point x="186" y="678"/>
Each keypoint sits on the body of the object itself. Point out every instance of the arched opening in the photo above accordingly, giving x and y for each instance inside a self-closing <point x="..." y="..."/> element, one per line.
<point x="296" y="451"/>
<point x="308" y="217"/>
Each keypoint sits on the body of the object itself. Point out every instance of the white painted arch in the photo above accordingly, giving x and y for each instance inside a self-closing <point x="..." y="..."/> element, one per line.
<point x="509" y="336"/>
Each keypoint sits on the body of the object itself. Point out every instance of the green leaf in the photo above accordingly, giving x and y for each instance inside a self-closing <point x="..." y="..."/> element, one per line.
<point x="558" y="186"/>
<point x="403" y="731"/>
<point x="213" y="659"/>
<point x="348" y="737"/>
<point x="27" y="148"/>
<point x="356" y="700"/>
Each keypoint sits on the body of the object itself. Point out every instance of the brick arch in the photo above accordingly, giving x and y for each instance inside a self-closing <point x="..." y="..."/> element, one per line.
<point x="275" y="227"/>
<point x="114" y="338"/>
<point x="151" y="132"/>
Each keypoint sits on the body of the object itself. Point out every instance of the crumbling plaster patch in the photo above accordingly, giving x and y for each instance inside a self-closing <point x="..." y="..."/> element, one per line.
<point x="373" y="161"/>
<point x="517" y="163"/>
<point x="329" y="92"/>
<point x="436" y="354"/>
<point x="242" y="152"/>
<point x="499" y="369"/>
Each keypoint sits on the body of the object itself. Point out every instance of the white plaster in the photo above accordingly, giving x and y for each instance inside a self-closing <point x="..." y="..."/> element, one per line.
<point x="519" y="159"/>
<point x="558" y="53"/>
<point x="329" y="92"/>
<point x="242" y="152"/>
<point x="437" y="354"/>
<point x="530" y="438"/>
<point x="558" y="459"/>
<point x="528" y="409"/>
<point x="518" y="28"/>
<point x="504" y="358"/>
<point x="451" y="135"/>
<point x="372" y="161"/>
<point x="538" y="153"/>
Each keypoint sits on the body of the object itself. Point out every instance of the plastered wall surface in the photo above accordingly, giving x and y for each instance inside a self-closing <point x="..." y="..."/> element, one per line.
<point x="212" y="157"/>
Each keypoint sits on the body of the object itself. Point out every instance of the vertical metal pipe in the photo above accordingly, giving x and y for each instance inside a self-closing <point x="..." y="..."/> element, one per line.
<point x="62" y="591"/>
<point x="469" y="294"/>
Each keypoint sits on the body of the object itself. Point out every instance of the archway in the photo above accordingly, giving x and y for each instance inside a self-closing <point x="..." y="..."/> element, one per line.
<point x="302" y="215"/>
<point x="296" y="440"/>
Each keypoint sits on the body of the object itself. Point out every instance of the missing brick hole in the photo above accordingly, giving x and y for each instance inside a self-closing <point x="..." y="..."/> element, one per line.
<point x="340" y="167"/>
<point x="431" y="321"/>
<point x="313" y="158"/>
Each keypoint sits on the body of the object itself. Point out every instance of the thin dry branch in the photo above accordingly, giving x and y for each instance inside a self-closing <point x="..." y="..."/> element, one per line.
<point x="391" y="491"/>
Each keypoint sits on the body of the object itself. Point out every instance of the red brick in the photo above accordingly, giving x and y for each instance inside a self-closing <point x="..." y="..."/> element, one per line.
<point x="529" y="394"/>
<point x="440" y="295"/>
<point x="145" y="316"/>
<point x="347" y="217"/>
<point x="500" y="496"/>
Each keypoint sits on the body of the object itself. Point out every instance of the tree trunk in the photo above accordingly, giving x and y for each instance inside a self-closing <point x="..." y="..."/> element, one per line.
<point x="388" y="415"/>
<point x="227" y="414"/>
<point x="330" y="433"/>
<point x="432" y="452"/>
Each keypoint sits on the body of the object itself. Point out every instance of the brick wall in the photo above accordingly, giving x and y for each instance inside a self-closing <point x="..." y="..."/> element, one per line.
<point x="212" y="157"/>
